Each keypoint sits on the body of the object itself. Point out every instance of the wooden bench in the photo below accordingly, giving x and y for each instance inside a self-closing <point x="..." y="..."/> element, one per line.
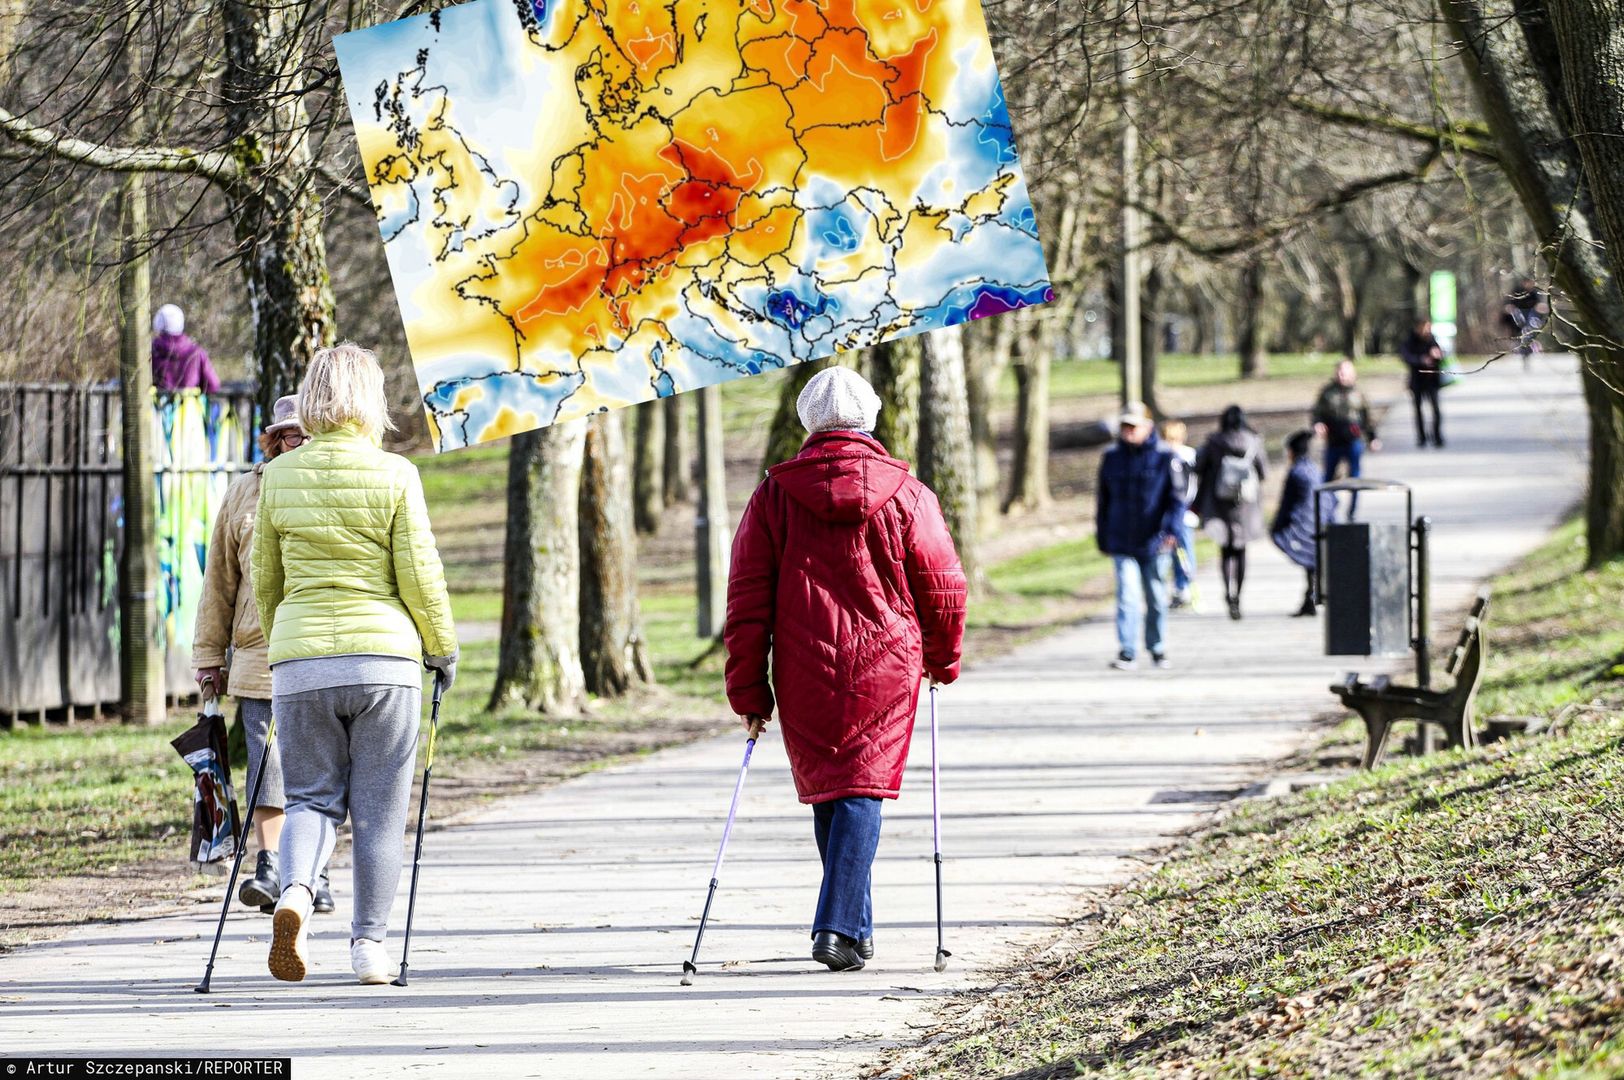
<point x="1381" y="703"/>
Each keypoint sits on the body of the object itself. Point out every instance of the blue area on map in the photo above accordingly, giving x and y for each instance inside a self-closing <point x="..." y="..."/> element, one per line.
<point x="791" y="310"/>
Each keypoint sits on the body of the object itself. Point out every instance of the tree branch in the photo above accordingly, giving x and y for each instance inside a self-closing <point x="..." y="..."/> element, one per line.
<point x="1167" y="232"/>
<point x="1467" y="136"/>
<point x="343" y="186"/>
<point x="213" y="165"/>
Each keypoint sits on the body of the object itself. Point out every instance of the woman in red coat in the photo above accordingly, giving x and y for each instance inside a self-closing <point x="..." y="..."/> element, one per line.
<point x="844" y="573"/>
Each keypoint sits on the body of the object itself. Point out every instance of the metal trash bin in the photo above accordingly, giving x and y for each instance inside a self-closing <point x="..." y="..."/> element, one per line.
<point x="1366" y="580"/>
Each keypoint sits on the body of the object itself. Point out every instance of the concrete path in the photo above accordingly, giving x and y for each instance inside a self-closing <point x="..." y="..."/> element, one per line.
<point x="551" y="931"/>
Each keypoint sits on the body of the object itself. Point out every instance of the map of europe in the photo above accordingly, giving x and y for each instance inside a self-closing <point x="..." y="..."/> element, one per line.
<point x="587" y="204"/>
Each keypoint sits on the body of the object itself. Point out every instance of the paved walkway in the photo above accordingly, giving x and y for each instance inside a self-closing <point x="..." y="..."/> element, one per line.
<point x="551" y="930"/>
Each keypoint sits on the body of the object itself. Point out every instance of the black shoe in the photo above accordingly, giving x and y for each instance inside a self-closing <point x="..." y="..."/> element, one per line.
<point x="267" y="909"/>
<point x="1235" y="608"/>
<point x="1438" y="442"/>
<point x="322" y="902"/>
<point x="865" y="948"/>
<point x="265" y="887"/>
<point x="835" y="951"/>
<point x="1308" y="608"/>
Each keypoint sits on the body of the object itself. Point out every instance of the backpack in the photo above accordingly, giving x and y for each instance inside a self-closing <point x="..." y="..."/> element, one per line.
<point x="1237" y="481"/>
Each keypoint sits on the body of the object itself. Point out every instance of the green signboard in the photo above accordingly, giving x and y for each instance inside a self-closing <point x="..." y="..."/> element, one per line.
<point x="1442" y="290"/>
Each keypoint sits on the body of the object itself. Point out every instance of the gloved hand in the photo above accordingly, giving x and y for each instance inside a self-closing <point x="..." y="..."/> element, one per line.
<point x="446" y="666"/>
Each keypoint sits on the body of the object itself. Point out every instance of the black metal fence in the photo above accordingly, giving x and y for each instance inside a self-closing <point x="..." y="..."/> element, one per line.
<point x="61" y="535"/>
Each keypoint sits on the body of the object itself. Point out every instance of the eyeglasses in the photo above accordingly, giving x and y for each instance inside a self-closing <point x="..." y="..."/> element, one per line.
<point x="292" y="439"/>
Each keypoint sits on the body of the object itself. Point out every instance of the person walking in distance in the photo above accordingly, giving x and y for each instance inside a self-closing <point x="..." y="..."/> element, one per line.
<point x="1136" y="517"/>
<point x="1293" y="528"/>
<point x="353" y="600"/>
<point x="1424" y="357"/>
<point x="178" y="362"/>
<point x="228" y="622"/>
<point x="1184" y="484"/>
<point x="1342" y="418"/>
<point x="845" y="585"/>
<point x="1230" y="470"/>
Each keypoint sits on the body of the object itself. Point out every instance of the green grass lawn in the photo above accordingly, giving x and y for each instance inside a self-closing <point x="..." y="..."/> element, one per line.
<point x="1093" y="378"/>
<point x="1460" y="914"/>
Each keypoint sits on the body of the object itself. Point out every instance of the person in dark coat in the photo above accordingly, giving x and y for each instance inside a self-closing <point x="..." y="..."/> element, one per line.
<point x="845" y="578"/>
<point x="1424" y="357"/>
<point x="1293" y="528"/>
<point x="1137" y="510"/>
<point x="178" y="362"/>
<point x="1230" y="470"/>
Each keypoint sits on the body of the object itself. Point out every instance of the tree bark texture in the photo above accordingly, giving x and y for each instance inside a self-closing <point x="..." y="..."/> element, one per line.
<point x="648" y="461"/>
<point x="1536" y="94"/>
<point x="712" y="525"/>
<point x="614" y="656"/>
<point x="677" y="463"/>
<point x="894" y="372"/>
<point x="1250" y="343"/>
<point x="946" y="463"/>
<point x="1029" y="485"/>
<point x="539" y="659"/>
<point x="141" y="680"/>
<point x="275" y="215"/>
<point x="987" y="349"/>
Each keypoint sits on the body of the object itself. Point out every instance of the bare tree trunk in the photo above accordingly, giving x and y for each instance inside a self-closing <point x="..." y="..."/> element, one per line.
<point x="894" y="371"/>
<point x="275" y="214"/>
<point x="678" y="459"/>
<point x="1029" y="487"/>
<point x="1254" y="357"/>
<point x="945" y="461"/>
<point x="1150" y="336"/>
<point x="711" y="524"/>
<point x="648" y="482"/>
<point x="141" y="680"/>
<point x="1543" y="91"/>
<point x="987" y="349"/>
<point x="613" y="653"/>
<point x="539" y="661"/>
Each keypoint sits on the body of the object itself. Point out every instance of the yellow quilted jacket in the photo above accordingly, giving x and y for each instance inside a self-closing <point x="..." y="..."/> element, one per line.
<point x="344" y="559"/>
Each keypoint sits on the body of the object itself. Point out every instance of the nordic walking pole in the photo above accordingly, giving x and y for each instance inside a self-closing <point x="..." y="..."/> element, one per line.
<point x="690" y="966"/>
<point x="242" y="842"/>
<point x="422" y="813"/>
<point x="936" y="827"/>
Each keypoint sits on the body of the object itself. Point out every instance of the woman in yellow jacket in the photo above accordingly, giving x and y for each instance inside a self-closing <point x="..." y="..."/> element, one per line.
<point x="353" y="600"/>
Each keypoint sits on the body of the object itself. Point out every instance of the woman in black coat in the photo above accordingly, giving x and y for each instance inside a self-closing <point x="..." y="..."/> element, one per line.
<point x="1231" y="469"/>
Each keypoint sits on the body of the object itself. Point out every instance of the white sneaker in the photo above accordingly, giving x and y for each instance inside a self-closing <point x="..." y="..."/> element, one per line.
<point x="1124" y="662"/>
<point x="370" y="962"/>
<point x="289" y="929"/>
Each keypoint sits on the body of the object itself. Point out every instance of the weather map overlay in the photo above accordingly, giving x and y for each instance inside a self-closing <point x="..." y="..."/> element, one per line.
<point x="590" y="203"/>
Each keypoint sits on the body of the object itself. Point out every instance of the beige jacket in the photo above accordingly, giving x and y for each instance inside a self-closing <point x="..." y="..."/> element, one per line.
<point x="227" y="616"/>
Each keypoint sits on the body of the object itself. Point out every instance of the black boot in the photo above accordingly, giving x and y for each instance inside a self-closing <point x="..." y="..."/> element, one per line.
<point x="835" y="951"/>
<point x="1307" y="608"/>
<point x="865" y="948"/>
<point x="265" y="887"/>
<point x="322" y="902"/>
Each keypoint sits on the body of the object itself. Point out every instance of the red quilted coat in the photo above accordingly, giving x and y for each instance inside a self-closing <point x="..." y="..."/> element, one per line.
<point x="843" y="571"/>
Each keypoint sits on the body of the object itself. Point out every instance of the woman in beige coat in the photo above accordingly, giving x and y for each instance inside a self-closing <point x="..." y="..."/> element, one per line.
<point x="228" y="625"/>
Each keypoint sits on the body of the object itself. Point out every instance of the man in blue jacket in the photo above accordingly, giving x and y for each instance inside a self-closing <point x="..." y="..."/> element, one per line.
<point x="1138" y="509"/>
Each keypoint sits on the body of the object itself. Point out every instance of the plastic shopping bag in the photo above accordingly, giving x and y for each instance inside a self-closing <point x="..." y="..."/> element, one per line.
<point x="215" y="823"/>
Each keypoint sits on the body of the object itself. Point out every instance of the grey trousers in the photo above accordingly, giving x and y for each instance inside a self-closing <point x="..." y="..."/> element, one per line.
<point x="255" y="716"/>
<point x="349" y="750"/>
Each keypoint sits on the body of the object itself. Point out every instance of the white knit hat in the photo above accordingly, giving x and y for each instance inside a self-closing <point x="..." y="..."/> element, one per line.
<point x="838" y="399"/>
<point x="169" y="320"/>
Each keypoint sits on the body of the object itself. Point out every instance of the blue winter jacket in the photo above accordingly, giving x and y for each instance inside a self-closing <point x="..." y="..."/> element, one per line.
<point x="1293" y="531"/>
<point x="1137" y="500"/>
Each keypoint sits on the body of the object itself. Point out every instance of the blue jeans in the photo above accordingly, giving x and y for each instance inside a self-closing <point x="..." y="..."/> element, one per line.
<point x="1353" y="453"/>
<point x="848" y="832"/>
<point x="1183" y="567"/>
<point x="1140" y="584"/>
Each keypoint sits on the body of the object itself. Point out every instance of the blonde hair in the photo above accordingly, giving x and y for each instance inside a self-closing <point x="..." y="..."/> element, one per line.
<point x="344" y="387"/>
<point x="1174" y="431"/>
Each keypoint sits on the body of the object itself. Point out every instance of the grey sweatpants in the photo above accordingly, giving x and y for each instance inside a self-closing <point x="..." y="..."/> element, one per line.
<point x="254" y="714"/>
<point x="349" y="750"/>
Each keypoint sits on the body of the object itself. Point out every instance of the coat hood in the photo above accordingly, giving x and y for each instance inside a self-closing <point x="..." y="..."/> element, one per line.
<point x="841" y="476"/>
